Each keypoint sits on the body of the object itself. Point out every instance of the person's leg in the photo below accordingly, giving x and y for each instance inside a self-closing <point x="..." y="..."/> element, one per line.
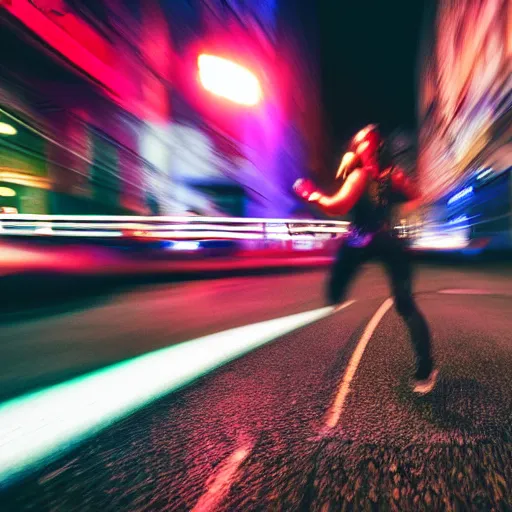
<point x="344" y="270"/>
<point x="399" y="269"/>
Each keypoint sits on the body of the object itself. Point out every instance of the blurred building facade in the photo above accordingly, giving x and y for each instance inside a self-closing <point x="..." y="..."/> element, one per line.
<point x="465" y="115"/>
<point x="111" y="118"/>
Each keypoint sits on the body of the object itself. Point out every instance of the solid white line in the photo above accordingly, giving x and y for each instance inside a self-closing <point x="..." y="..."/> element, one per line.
<point x="336" y="409"/>
<point x="221" y="481"/>
<point x="43" y="425"/>
<point x="466" y="291"/>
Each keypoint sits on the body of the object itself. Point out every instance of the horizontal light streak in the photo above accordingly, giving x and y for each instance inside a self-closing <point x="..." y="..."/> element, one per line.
<point x="167" y="219"/>
<point x="164" y="227"/>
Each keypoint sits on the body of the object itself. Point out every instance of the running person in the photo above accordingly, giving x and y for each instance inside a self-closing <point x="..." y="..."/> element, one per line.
<point x="371" y="187"/>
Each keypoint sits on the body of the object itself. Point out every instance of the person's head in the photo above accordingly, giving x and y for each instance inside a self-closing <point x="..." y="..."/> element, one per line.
<point x="366" y="149"/>
<point x="362" y="150"/>
<point x="367" y="143"/>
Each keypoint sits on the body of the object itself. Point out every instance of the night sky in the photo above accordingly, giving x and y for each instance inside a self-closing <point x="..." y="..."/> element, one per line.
<point x="369" y="52"/>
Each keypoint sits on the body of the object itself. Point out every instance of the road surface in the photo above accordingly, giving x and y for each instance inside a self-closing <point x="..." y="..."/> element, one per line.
<point x="287" y="426"/>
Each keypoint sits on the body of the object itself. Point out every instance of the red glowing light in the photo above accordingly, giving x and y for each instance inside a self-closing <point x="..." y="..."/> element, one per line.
<point x="229" y="80"/>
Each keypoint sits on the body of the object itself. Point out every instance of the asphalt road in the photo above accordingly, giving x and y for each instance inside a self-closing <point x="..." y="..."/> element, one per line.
<point x="252" y="435"/>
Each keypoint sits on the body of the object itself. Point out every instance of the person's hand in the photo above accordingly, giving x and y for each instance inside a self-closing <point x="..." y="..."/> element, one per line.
<point x="306" y="190"/>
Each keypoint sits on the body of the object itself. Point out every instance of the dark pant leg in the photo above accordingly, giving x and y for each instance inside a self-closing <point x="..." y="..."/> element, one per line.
<point x="344" y="270"/>
<point x="398" y="266"/>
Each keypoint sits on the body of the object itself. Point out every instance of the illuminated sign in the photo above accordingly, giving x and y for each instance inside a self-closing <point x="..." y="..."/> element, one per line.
<point x="460" y="195"/>
<point x="229" y="80"/>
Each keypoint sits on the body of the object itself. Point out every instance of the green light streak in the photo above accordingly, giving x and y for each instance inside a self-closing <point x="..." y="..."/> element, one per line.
<point x="41" y="426"/>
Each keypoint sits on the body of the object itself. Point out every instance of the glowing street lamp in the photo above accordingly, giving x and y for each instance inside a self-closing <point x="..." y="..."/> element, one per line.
<point x="229" y="80"/>
<point x="7" y="129"/>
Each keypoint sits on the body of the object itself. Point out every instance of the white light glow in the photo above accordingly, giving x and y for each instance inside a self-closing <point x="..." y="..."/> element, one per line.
<point x="155" y="220"/>
<point x="88" y="233"/>
<point x="484" y="174"/>
<point x="460" y="195"/>
<point x="216" y="235"/>
<point x="44" y="231"/>
<point x="7" y="192"/>
<point x="185" y="246"/>
<point x="229" y="80"/>
<point x="446" y="241"/>
<point x="459" y="220"/>
<point x="7" y="129"/>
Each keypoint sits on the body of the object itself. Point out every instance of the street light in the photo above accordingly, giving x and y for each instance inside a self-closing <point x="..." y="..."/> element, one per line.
<point x="229" y="80"/>
<point x="7" y="129"/>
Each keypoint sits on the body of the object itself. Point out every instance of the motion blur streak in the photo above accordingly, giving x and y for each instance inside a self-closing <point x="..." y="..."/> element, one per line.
<point x="44" y="424"/>
<point x="166" y="218"/>
<point x="442" y="241"/>
<point x="225" y="476"/>
<point x="170" y="228"/>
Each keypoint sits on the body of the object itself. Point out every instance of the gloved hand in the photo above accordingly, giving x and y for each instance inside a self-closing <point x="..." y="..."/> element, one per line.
<point x="306" y="189"/>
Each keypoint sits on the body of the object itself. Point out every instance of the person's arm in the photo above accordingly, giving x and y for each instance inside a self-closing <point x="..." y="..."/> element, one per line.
<point x="403" y="185"/>
<point x="344" y="200"/>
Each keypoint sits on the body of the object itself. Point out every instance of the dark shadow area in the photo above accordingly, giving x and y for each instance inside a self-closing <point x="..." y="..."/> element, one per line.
<point x="34" y="296"/>
<point x="501" y="260"/>
<point x="31" y="295"/>
<point x="468" y="407"/>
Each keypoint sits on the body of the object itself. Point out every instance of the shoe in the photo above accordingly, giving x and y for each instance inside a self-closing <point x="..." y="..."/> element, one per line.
<point x="426" y="385"/>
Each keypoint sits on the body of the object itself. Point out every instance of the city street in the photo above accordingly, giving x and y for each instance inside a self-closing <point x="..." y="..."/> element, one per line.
<point x="320" y="418"/>
<point x="176" y="178"/>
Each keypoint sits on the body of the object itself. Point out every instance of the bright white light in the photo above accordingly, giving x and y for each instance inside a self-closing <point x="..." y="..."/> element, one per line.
<point x="185" y="246"/>
<point x="168" y="218"/>
<point x="463" y="193"/>
<point x="446" y="241"/>
<point x="483" y="174"/>
<point x="153" y="147"/>
<point x="42" y="425"/>
<point x="88" y="233"/>
<point x="204" y="234"/>
<point x="229" y="80"/>
<point x="8" y="210"/>
<point x="7" y="192"/>
<point x="47" y="230"/>
<point x="459" y="219"/>
<point x="304" y="245"/>
<point x="7" y="129"/>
